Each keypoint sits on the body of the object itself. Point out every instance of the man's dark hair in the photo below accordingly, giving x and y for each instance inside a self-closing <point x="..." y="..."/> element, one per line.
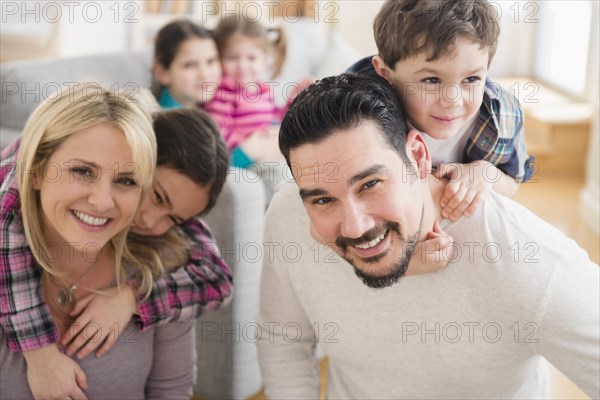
<point x="343" y="102"/>
<point x="189" y="142"/>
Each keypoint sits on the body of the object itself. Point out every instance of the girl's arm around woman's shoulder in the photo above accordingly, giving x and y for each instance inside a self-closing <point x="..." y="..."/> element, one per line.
<point x="202" y="285"/>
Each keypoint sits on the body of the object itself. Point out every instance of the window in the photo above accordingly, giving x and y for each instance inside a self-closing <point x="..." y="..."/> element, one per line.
<point x="564" y="29"/>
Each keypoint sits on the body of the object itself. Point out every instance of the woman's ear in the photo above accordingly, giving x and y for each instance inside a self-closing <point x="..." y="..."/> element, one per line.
<point x="161" y="74"/>
<point x="417" y="151"/>
<point x="381" y="68"/>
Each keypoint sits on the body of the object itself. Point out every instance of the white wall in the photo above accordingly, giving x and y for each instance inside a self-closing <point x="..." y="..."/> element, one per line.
<point x="81" y="27"/>
<point x="514" y="55"/>
<point x="97" y="27"/>
<point x="590" y="196"/>
<point x="356" y="23"/>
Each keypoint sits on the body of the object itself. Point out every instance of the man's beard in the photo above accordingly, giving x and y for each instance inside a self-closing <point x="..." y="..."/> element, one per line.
<point x="401" y="265"/>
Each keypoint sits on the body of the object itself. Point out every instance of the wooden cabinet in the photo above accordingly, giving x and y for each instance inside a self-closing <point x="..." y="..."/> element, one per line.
<point x="557" y="128"/>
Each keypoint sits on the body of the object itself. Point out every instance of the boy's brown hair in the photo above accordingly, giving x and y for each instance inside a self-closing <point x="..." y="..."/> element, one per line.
<point x="406" y="28"/>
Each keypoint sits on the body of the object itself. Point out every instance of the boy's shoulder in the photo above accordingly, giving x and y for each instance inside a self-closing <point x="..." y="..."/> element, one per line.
<point x="501" y="101"/>
<point x="364" y="65"/>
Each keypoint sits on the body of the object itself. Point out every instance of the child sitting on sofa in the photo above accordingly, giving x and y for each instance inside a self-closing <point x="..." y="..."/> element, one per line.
<point x="239" y="101"/>
<point x="244" y="106"/>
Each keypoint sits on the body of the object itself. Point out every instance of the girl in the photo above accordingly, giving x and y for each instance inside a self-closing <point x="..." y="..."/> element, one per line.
<point x="201" y="286"/>
<point x="186" y="65"/>
<point x="243" y="106"/>
<point x="187" y="68"/>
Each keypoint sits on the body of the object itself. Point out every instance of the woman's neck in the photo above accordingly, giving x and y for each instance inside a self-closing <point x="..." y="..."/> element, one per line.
<point x="77" y="280"/>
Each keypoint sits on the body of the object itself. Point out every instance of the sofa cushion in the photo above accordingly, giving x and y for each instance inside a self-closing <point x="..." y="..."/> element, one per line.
<point x="26" y="83"/>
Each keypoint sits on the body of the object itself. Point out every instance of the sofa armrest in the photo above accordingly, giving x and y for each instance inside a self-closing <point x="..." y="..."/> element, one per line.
<point x="8" y="135"/>
<point x="227" y="362"/>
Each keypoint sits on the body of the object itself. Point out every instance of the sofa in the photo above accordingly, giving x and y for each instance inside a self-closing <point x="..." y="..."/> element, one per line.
<point x="227" y="364"/>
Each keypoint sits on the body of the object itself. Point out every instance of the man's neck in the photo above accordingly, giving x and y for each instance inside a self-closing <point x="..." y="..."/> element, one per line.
<point x="433" y="210"/>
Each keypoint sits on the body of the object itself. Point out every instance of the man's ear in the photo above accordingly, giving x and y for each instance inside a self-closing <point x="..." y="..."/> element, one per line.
<point x="161" y="74"/>
<point x="381" y="68"/>
<point x="416" y="150"/>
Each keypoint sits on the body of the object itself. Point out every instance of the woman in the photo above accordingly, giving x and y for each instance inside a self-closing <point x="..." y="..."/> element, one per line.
<point x="87" y="174"/>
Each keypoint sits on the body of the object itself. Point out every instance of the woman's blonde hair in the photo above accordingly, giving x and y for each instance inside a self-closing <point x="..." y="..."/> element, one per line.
<point x="68" y="111"/>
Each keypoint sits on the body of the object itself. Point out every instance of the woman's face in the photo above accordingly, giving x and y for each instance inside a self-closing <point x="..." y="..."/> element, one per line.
<point x="87" y="189"/>
<point x="174" y="199"/>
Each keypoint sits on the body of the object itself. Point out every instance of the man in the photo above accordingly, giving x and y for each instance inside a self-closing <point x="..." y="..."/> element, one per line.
<point x="516" y="289"/>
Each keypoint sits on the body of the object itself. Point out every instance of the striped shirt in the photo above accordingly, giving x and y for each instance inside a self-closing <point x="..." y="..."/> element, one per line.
<point x="497" y="136"/>
<point x="241" y="110"/>
<point x="202" y="285"/>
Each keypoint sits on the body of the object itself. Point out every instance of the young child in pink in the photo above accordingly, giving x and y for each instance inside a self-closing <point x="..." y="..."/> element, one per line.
<point x="244" y="106"/>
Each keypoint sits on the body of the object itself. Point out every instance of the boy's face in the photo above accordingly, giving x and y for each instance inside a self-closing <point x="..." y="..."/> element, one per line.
<point x="440" y="96"/>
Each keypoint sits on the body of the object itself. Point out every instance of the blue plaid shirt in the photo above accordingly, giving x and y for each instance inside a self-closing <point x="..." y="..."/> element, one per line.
<point x="497" y="136"/>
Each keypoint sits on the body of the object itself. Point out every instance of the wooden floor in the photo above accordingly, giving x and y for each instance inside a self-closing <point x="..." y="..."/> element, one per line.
<point x="556" y="200"/>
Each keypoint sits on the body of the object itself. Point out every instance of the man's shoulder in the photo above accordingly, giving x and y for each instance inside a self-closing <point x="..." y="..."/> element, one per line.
<point x="286" y="211"/>
<point x="508" y="227"/>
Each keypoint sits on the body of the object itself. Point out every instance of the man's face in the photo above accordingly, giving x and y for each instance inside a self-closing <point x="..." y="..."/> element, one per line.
<point x="363" y="201"/>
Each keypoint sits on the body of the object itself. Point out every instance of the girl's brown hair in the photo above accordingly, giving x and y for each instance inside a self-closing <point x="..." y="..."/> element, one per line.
<point x="271" y="40"/>
<point x="171" y="36"/>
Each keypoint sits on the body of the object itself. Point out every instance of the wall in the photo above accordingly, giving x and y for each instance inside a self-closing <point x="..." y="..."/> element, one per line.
<point x="590" y="196"/>
<point x="97" y="27"/>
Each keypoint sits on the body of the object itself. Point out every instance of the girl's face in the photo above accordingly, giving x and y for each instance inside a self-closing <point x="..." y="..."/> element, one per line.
<point x="194" y="73"/>
<point x="87" y="189"/>
<point x="174" y="199"/>
<point x="244" y="60"/>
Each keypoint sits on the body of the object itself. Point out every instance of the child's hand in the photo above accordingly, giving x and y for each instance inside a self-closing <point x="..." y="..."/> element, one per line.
<point x="306" y="82"/>
<point x="300" y="86"/>
<point x="263" y="146"/>
<point x="432" y="254"/>
<point x="467" y="187"/>
<point x="98" y="317"/>
<point x="53" y="375"/>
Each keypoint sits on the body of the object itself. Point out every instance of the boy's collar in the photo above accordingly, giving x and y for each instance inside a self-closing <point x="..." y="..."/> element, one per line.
<point x="492" y="89"/>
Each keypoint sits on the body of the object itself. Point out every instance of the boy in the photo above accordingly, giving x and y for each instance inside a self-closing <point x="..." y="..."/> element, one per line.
<point x="436" y="54"/>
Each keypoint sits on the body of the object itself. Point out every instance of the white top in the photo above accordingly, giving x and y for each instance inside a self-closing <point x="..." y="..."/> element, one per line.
<point x="519" y="291"/>
<point x="449" y="150"/>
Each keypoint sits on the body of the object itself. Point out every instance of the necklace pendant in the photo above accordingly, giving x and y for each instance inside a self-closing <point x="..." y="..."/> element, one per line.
<point x="65" y="296"/>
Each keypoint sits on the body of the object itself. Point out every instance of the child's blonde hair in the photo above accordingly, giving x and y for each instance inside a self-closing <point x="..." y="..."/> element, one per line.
<point x="271" y="40"/>
<point x="63" y="114"/>
<point x="406" y="28"/>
